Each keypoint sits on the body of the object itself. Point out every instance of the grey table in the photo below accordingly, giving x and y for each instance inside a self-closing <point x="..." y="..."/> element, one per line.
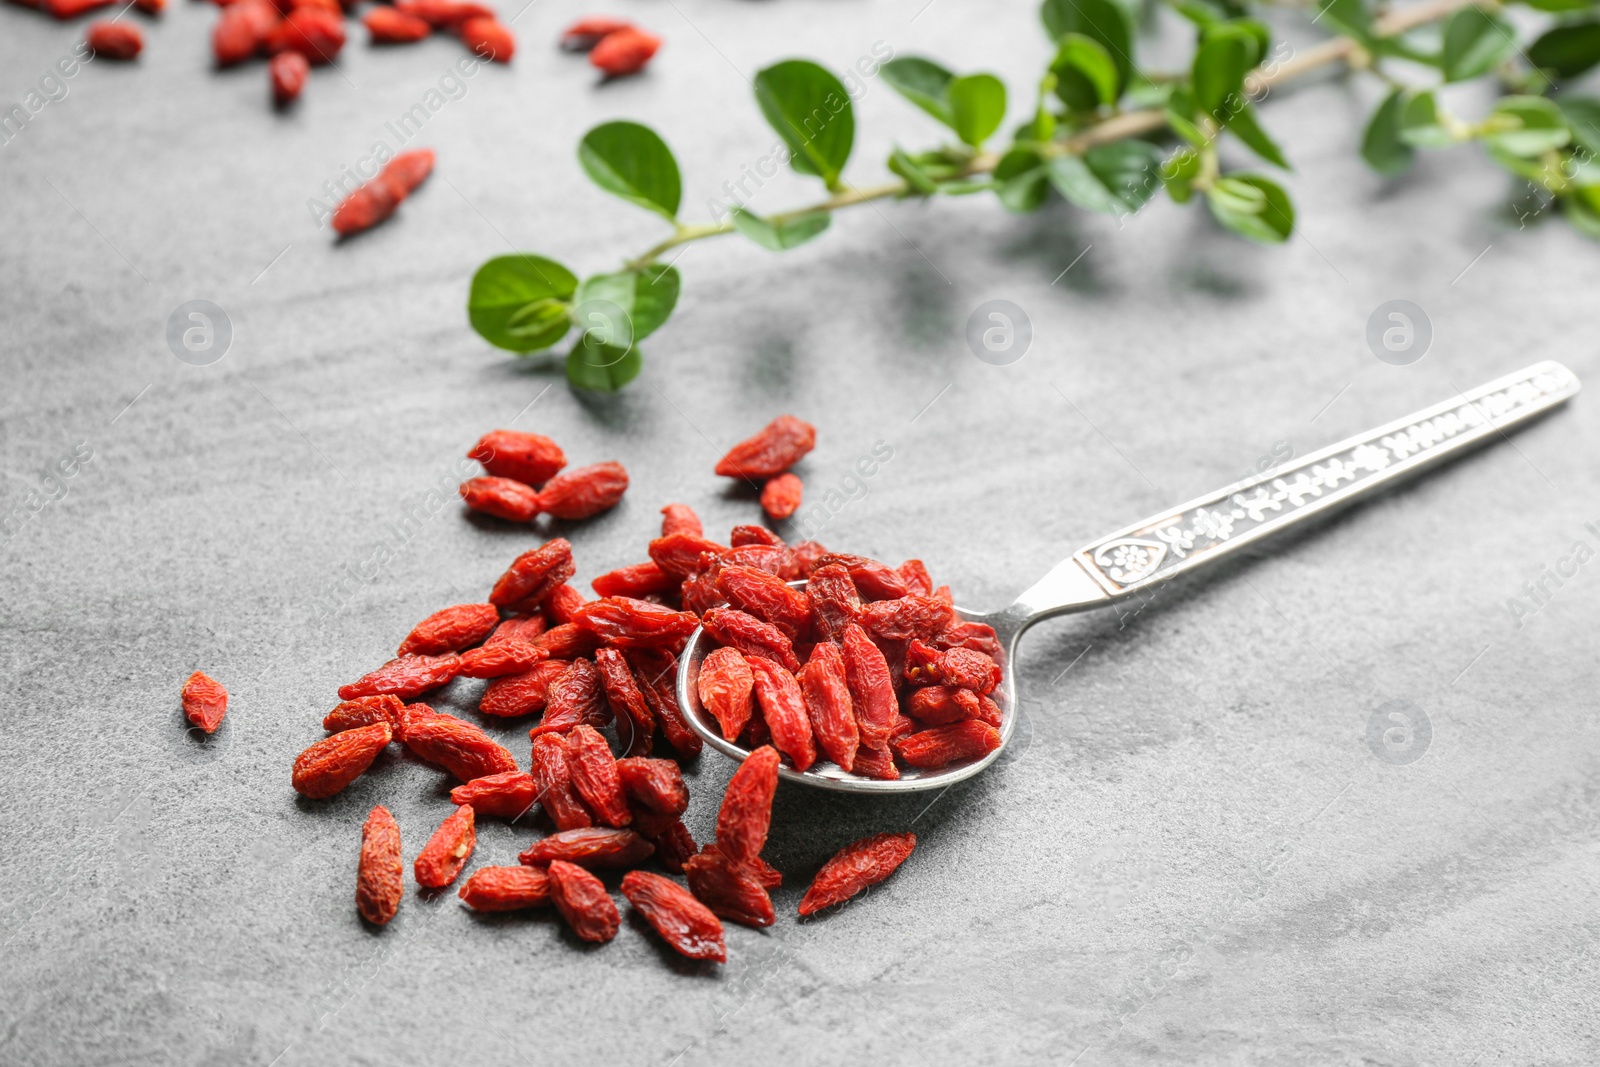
<point x="1192" y="856"/>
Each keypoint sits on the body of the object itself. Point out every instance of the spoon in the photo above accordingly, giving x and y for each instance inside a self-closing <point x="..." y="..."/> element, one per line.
<point x="1134" y="560"/>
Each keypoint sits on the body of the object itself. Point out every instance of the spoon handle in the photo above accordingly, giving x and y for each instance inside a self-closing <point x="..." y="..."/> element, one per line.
<point x="1207" y="528"/>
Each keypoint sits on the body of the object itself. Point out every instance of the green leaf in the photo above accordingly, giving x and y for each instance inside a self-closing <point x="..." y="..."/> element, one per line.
<point x="1179" y="172"/>
<point x="1180" y="116"/>
<point x="1583" y="117"/>
<point x="1220" y="64"/>
<point x="1582" y="212"/>
<point x="923" y="82"/>
<point x="1532" y="126"/>
<point x="1200" y="13"/>
<point x="1074" y="180"/>
<point x="1557" y="7"/>
<point x="1349" y="17"/>
<point x="1567" y="51"/>
<point x="1475" y="42"/>
<point x="1102" y="21"/>
<point x="811" y="111"/>
<point x="978" y="105"/>
<point x="918" y="179"/>
<point x="519" y="302"/>
<point x="1381" y="145"/>
<point x="647" y="296"/>
<point x="600" y="368"/>
<point x="1245" y="127"/>
<point x="1129" y="170"/>
<point x="1420" y="123"/>
<point x="780" y="236"/>
<point x="1021" y="180"/>
<point x="1086" y="75"/>
<point x="631" y="161"/>
<point x="1253" y="207"/>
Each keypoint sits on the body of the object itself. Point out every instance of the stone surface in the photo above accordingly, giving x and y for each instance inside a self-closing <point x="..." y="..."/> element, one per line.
<point x="1192" y="856"/>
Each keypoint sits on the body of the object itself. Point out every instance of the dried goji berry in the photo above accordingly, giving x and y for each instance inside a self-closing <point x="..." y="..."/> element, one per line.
<point x="414" y="713"/>
<point x="657" y="784"/>
<point x="781" y="496"/>
<point x="978" y="636"/>
<point x="443" y="14"/>
<point x="765" y="873"/>
<point x="448" y="850"/>
<point x="754" y="535"/>
<point x="636" y="726"/>
<point x="876" y="763"/>
<point x="386" y="25"/>
<point x="204" y="701"/>
<point x="523" y="629"/>
<point x="288" y="71"/>
<point x="804" y="559"/>
<point x="624" y="52"/>
<point x="675" y="845"/>
<point x="943" y="745"/>
<point x="779" y="446"/>
<point x="489" y="38"/>
<point x="242" y="30"/>
<point x="328" y="766"/>
<point x="904" y="726"/>
<point x="640" y="579"/>
<point x="989" y="712"/>
<point x="521" y="694"/>
<point x="746" y="812"/>
<point x="581" y="899"/>
<point x="656" y="671"/>
<point x="151" y="7"/>
<point x="451" y="630"/>
<point x="624" y="622"/>
<point x="681" y="920"/>
<point x="856" y="866"/>
<point x="586" y="33"/>
<point x="460" y="747"/>
<point x="871" y="687"/>
<point x="313" y="32"/>
<point x="679" y="554"/>
<point x="906" y="617"/>
<point x="505" y="888"/>
<point x="936" y="705"/>
<point x="561" y="604"/>
<point x="833" y="599"/>
<point x="114" y="40"/>
<point x="774" y="559"/>
<point x="556" y="794"/>
<point x="567" y="641"/>
<point x="680" y="519"/>
<point x="833" y="719"/>
<point x="727" y="689"/>
<point x="369" y="205"/>
<point x="529" y="458"/>
<point x="380" y="874"/>
<point x="70" y="9"/>
<point x="962" y="667"/>
<point x="573" y="699"/>
<point x="783" y="709"/>
<point x="582" y="493"/>
<point x="731" y="892"/>
<point x="504" y="796"/>
<point x="874" y="580"/>
<point x="755" y="733"/>
<point x="535" y="574"/>
<point x="364" y="711"/>
<point x="767" y="597"/>
<point x="915" y="575"/>
<point x="501" y="497"/>
<point x="595" y="777"/>
<point x="699" y="594"/>
<point x="498" y="661"/>
<point x="751" y="636"/>
<point x="591" y="846"/>
<point x="405" y="677"/>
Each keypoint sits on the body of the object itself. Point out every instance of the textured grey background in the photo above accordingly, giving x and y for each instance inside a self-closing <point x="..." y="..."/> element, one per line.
<point x="1194" y="859"/>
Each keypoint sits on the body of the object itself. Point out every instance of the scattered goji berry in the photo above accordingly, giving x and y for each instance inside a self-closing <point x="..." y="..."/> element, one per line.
<point x="405" y="677"/>
<point x="595" y="777"/>
<point x="380" y="874"/>
<point x="781" y="496"/>
<point x="784" y="710"/>
<point x="451" y="630"/>
<point x="656" y="671"/>
<point x="114" y="40"/>
<point x="636" y="725"/>
<point x="731" y="892"/>
<point x="287" y="72"/>
<point x="746" y="812"/>
<point x="501" y="497"/>
<point x="754" y="535"/>
<point x="586" y="33"/>
<point x="591" y="846"/>
<point x="521" y="694"/>
<point x="443" y="14"/>
<point x="567" y="641"/>
<point x="506" y="795"/>
<point x="582" y="900"/>
<point x="943" y="745"/>
<point x="325" y="768"/>
<point x="498" y="661"/>
<point x="448" y="850"/>
<point x="364" y="711"/>
<point x="767" y="597"/>
<point x="314" y="32"/>
<point x="585" y="492"/>
<point x="386" y="25"/>
<point x="562" y="604"/>
<point x="363" y="209"/>
<point x="638" y="580"/>
<point x="779" y="446"/>
<point x="680" y="519"/>
<point x="855" y="867"/>
<point x="874" y="580"/>
<point x="574" y="698"/>
<point x="727" y="689"/>
<point x="675" y="845"/>
<point x="751" y="636"/>
<point x="519" y="629"/>
<point x="242" y="31"/>
<point x="535" y="574"/>
<point x="681" y="920"/>
<point x="505" y="888"/>
<point x="657" y="784"/>
<point x="460" y="747"/>
<point x="489" y="38"/>
<point x="529" y="458"/>
<point x="624" y="52"/>
<point x="624" y="622"/>
<point x="871" y="687"/>
<point x="556" y="794"/>
<point x="679" y="554"/>
<point x="827" y="696"/>
<point x="414" y="713"/>
<point x="204" y="701"/>
<point x="833" y="599"/>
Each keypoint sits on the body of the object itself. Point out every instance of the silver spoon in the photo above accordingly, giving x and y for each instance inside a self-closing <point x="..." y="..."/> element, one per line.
<point x="1147" y="554"/>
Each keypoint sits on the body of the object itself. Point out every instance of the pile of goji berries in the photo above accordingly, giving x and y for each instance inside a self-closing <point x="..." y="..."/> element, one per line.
<point x="615" y="47"/>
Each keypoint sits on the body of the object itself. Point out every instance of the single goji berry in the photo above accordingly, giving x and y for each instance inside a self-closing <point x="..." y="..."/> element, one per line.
<point x="581" y="899"/>
<point x="765" y="873"/>
<point x="586" y="33"/>
<point x="529" y="458"/>
<point x="405" y="677"/>
<point x="522" y="694"/>
<point x="751" y="636"/>
<point x="727" y="689"/>
<point x="943" y="593"/>
<point x="624" y="52"/>
<point x="679" y="554"/>
<point x="680" y="519"/>
<point x="866" y="671"/>
<point x="242" y="31"/>
<point x="562" y="604"/>
<point x="636" y="725"/>
<point x="783" y="709"/>
<point x="962" y="667"/>
<point x="591" y="846"/>
<point x="573" y="699"/>
<point x="731" y="891"/>
<point x="595" y="777"/>
<point x="936" y="705"/>
<point x="287" y="72"/>
<point x="414" y="713"/>
<point x="915" y="574"/>
<point x="443" y="14"/>
<point x="781" y="496"/>
<point x="989" y="712"/>
<point x="675" y="845"/>
<point x="657" y="784"/>
<point x="681" y="920"/>
<point x="585" y="492"/>
<point x="556" y="794"/>
<point x="114" y="40"/>
<point x="328" y="766"/>
<point x="380" y="874"/>
<point x="506" y="795"/>
<point x="519" y="629"/>
<point x="369" y="205"/>
<point x="489" y="38"/>
<point x="451" y="630"/>
<point x="315" y="33"/>
<point x="625" y="622"/>
<point x="767" y="597"/>
<point x="746" y="812"/>
<point x="448" y="850"/>
<point x="460" y="747"/>
<point x="978" y="636"/>
<point x="505" y="888"/>
<point x="833" y="600"/>
<point x="905" y="618"/>
<point x="779" y="446"/>
<point x="754" y="535"/>
<point x="943" y="745"/>
<point x="699" y="594"/>
<point x="498" y="661"/>
<point x="855" y="867"/>
<point x="656" y="671"/>
<point x="804" y="559"/>
<point x="364" y="711"/>
<point x="535" y="574"/>
<point x="501" y="497"/>
<point x="204" y="701"/>
<point x="876" y="763"/>
<point x="386" y="25"/>
<point x="640" y="579"/>
<point x="827" y="696"/>
<point x="874" y="580"/>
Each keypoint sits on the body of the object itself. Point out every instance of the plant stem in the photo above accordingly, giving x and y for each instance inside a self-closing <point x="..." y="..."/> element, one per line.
<point x="1116" y="128"/>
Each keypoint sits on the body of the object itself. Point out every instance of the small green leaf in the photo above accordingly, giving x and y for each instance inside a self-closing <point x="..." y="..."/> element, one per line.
<point x="1102" y="20"/>
<point x="1567" y="51"/>
<point x="1021" y="180"/>
<point x="647" y="296"/>
<point x="1558" y="7"/>
<point x="978" y="106"/>
<point x="1129" y="170"/>
<point x="1583" y="116"/>
<point x="1349" y="17"/>
<point x="1475" y="42"/>
<point x="917" y="178"/>
<point x="1381" y="145"/>
<point x="1200" y="13"/>
<point x="633" y="162"/>
<point x="1180" y="116"/>
<point x="1582" y="212"/>
<point x="1244" y="126"/>
<point x="519" y="302"/>
<point x="1074" y="180"/>
<point x="1253" y="207"/>
<point x="811" y="111"/>
<point x="1420" y="123"/>
<point x="780" y="236"/>
<point x="1086" y="75"/>
<point x="1179" y="172"/>
<point x="600" y="368"/>
<point x="1220" y="64"/>
<point x="1533" y="126"/>
<point x="923" y="82"/>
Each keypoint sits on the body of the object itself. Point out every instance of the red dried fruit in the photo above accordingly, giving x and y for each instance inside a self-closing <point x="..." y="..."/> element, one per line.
<point x="507" y="795"/>
<point x="590" y="846"/>
<point x="943" y="745"/>
<point x="874" y="580"/>
<point x="624" y="622"/>
<point x="774" y="559"/>
<point x="414" y="713"/>
<point x="746" y="812"/>
<point x="498" y="661"/>
<point x="731" y="892"/>
<point x="451" y="630"/>
<point x="561" y="604"/>
<point x="447" y="851"/>
<point x="827" y="696"/>
<point x="680" y="519"/>
<point x="903" y="727"/>
<point x="727" y="689"/>
<point x="567" y="641"/>
<point x="905" y="618"/>
<point x="833" y="599"/>
<point x="978" y="636"/>
<point x="68" y="9"/>
<point x="943" y="593"/>
<point x="681" y="920"/>
<point x="675" y="846"/>
<point x="779" y="446"/>
<point x="856" y="866"/>
<point x="806" y="556"/>
<point x="386" y="25"/>
<point x="871" y="687"/>
<point x="989" y="712"/>
<point x="405" y="677"/>
<point x="754" y="535"/>
<point x="781" y="496"/>
<point x="656" y="671"/>
<point x="489" y="38"/>
<point x="765" y="873"/>
<point x="586" y="33"/>
<point x="364" y="711"/>
<point x="501" y="497"/>
<point x="755" y="733"/>
<point x="328" y="766"/>
<point x="506" y="888"/>
<point x="679" y="554"/>
<point x="751" y="636"/>
<point x="581" y="899"/>
<point x="242" y="30"/>
<point x="443" y="14"/>
<point x="114" y="40"/>
<point x="380" y="874"/>
<point x="638" y="580"/>
<point x="783" y="708"/>
<point x="366" y="207"/>
<point x="699" y="594"/>
<point x="522" y="694"/>
<point x="656" y="784"/>
<point x="595" y="777"/>
<point x="957" y="667"/>
<point x="529" y="458"/>
<point x="204" y="701"/>
<point x="535" y="574"/>
<point x="636" y="726"/>
<point x="556" y="794"/>
<point x="582" y="493"/>
<point x="767" y="597"/>
<point x="524" y="629"/>
<point x="288" y="71"/>
<point x="940" y="704"/>
<point x="315" y="33"/>
<point x="573" y="699"/>
<point x="915" y="575"/>
<point x="876" y="763"/>
<point x="624" y="52"/>
<point x="460" y="747"/>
